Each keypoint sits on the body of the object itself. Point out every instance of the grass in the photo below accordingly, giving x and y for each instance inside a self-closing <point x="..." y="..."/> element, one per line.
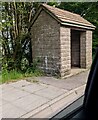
<point x="8" y="76"/>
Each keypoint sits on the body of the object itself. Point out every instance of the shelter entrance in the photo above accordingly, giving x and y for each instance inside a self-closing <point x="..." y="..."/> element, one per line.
<point x="75" y="48"/>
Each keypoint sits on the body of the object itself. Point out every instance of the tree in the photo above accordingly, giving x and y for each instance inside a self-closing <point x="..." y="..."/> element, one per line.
<point x="16" y="41"/>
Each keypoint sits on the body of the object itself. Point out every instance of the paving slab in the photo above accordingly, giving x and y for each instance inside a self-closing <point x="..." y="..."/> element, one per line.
<point x="6" y="88"/>
<point x="14" y="94"/>
<point x="44" y="113"/>
<point x="3" y="102"/>
<point x="23" y="99"/>
<point x="0" y="112"/>
<point x="30" y="102"/>
<point x="68" y="83"/>
<point x="56" y="105"/>
<point x="11" y="111"/>
<point x="50" y="92"/>
<point x="20" y="84"/>
<point x="34" y="87"/>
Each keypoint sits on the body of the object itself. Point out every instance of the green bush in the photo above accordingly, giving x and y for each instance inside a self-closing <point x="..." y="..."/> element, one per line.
<point x="10" y="75"/>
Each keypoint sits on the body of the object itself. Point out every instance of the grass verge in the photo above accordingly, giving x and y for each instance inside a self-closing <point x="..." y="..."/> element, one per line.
<point x="8" y="76"/>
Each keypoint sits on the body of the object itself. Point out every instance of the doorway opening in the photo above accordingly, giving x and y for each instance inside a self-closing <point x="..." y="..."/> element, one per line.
<point x="75" y="48"/>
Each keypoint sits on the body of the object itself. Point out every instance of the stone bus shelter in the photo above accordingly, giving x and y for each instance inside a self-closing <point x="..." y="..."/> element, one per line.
<point x="61" y="40"/>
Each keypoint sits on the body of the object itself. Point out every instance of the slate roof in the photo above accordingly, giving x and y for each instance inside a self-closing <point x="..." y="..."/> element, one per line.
<point x="66" y="17"/>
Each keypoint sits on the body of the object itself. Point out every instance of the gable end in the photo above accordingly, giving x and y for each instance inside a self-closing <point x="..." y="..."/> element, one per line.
<point x="41" y="8"/>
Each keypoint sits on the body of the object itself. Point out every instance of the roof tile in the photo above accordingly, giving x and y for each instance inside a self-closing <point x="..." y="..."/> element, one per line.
<point x="66" y="16"/>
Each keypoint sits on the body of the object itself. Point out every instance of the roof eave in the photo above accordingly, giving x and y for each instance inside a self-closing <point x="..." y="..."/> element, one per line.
<point x="78" y="25"/>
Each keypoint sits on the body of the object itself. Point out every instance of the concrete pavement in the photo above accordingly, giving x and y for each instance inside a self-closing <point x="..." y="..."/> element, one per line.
<point x="40" y="97"/>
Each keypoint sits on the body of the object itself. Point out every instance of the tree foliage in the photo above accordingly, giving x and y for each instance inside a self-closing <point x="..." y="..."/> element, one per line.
<point x="16" y="41"/>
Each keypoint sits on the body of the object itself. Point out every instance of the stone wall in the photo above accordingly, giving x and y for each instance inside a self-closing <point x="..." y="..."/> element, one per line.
<point x="65" y="50"/>
<point x="86" y="49"/>
<point x="83" y="49"/>
<point x="46" y="43"/>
